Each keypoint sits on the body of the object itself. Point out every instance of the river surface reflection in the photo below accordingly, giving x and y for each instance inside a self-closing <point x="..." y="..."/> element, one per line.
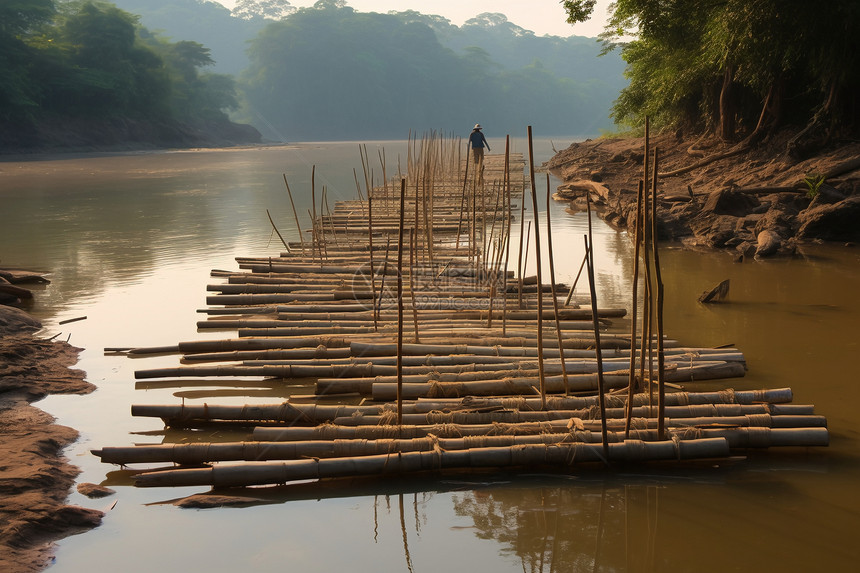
<point x="130" y="241"/>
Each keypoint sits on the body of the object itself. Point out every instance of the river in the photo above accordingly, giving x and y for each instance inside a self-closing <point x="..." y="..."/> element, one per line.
<point x="129" y="240"/>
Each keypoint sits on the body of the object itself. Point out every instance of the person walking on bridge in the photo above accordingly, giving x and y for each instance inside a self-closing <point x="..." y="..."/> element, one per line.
<point x="477" y="141"/>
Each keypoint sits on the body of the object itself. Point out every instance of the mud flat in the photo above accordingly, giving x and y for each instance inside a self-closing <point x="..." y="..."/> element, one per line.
<point x="35" y="477"/>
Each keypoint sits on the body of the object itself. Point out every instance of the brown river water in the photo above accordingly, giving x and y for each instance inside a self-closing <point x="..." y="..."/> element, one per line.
<point x="129" y="241"/>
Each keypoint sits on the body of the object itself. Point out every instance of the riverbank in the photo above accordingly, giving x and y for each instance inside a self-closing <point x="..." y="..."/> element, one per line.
<point x="757" y="200"/>
<point x="35" y="477"/>
<point x="76" y="135"/>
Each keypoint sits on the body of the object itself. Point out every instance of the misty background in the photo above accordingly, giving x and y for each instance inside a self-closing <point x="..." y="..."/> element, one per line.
<point x="140" y="69"/>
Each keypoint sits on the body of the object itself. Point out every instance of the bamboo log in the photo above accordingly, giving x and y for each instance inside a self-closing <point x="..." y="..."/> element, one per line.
<point x="776" y="396"/>
<point x="201" y="453"/>
<point x="517" y="416"/>
<point x="530" y="455"/>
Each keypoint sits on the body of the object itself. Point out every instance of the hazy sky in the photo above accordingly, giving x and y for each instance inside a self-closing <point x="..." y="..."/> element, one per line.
<point x="540" y="16"/>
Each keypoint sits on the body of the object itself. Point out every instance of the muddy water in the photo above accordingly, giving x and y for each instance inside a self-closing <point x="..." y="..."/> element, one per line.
<point x="130" y="241"/>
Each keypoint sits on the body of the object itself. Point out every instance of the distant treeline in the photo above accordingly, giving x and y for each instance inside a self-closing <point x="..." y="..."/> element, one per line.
<point x="90" y="61"/>
<point x="330" y="72"/>
<point x="325" y="72"/>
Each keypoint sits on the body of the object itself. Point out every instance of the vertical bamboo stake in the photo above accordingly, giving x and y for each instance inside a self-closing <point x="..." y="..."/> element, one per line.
<point x="490" y="266"/>
<point x="539" y="281"/>
<point x="357" y="186"/>
<point x="600" y="385"/>
<point x="576" y="280"/>
<point x="631" y="384"/>
<point x="520" y="268"/>
<point x="314" y="209"/>
<point x="370" y="248"/>
<point x="508" y="238"/>
<point x="412" y="279"/>
<point x="645" y="354"/>
<point x="295" y="214"/>
<point x="658" y="277"/>
<point x="400" y="306"/>
<point x="645" y="172"/>
<point x="286" y="246"/>
<point x="417" y="202"/>
<point x="330" y="221"/>
<point x="648" y="309"/>
<point x="463" y="199"/>
<point x="525" y="260"/>
<point x="552" y="286"/>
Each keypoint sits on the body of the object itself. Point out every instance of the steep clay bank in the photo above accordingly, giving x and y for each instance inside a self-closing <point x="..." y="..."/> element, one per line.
<point x="715" y="195"/>
<point x="35" y="478"/>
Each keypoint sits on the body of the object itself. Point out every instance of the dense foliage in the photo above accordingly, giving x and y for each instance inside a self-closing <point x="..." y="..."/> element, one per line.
<point x="85" y="59"/>
<point x="737" y="66"/>
<point x="329" y="72"/>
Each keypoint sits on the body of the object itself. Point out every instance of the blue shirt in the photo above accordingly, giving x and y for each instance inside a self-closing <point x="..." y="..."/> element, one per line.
<point x="477" y="139"/>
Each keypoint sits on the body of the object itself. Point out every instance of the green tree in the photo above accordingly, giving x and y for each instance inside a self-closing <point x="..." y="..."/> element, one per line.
<point x="736" y="65"/>
<point x="269" y="9"/>
<point x="19" y="21"/>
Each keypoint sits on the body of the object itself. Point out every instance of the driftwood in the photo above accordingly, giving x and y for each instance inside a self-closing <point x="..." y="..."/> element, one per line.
<point x="716" y="294"/>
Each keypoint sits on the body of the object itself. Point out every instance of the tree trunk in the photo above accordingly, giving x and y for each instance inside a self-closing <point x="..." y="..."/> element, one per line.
<point x="727" y="108"/>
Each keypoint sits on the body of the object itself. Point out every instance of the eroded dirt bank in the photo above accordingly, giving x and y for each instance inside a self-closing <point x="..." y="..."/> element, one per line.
<point x="35" y="478"/>
<point x="711" y="194"/>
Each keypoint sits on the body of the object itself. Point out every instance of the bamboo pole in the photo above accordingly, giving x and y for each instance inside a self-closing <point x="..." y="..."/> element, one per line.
<point x="201" y="453"/>
<point x="295" y="214"/>
<point x="370" y="243"/>
<point x="593" y="290"/>
<point x="412" y="282"/>
<point x="661" y="385"/>
<point x="631" y="389"/>
<point x="508" y="230"/>
<point x="275" y="228"/>
<point x="552" y="284"/>
<point x="539" y="265"/>
<point x="400" y="306"/>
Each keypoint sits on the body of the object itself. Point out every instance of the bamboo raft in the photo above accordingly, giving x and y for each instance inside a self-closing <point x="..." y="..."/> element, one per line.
<point x="419" y="351"/>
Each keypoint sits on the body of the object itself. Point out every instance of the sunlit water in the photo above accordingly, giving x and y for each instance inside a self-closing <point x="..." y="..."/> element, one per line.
<point x="130" y="240"/>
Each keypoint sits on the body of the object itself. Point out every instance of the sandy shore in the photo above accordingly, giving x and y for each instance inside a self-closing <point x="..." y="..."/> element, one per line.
<point x="35" y="477"/>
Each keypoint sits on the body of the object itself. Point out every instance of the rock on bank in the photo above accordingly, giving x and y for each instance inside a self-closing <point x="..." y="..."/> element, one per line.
<point x="752" y="199"/>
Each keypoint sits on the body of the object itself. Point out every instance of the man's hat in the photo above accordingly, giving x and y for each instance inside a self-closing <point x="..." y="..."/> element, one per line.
<point x="477" y="126"/>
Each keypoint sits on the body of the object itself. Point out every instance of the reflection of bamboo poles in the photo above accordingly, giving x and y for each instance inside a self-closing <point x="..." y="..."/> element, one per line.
<point x="403" y="533"/>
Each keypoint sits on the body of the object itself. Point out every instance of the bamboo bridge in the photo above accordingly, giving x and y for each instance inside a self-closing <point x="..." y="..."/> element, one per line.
<point x="411" y="347"/>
